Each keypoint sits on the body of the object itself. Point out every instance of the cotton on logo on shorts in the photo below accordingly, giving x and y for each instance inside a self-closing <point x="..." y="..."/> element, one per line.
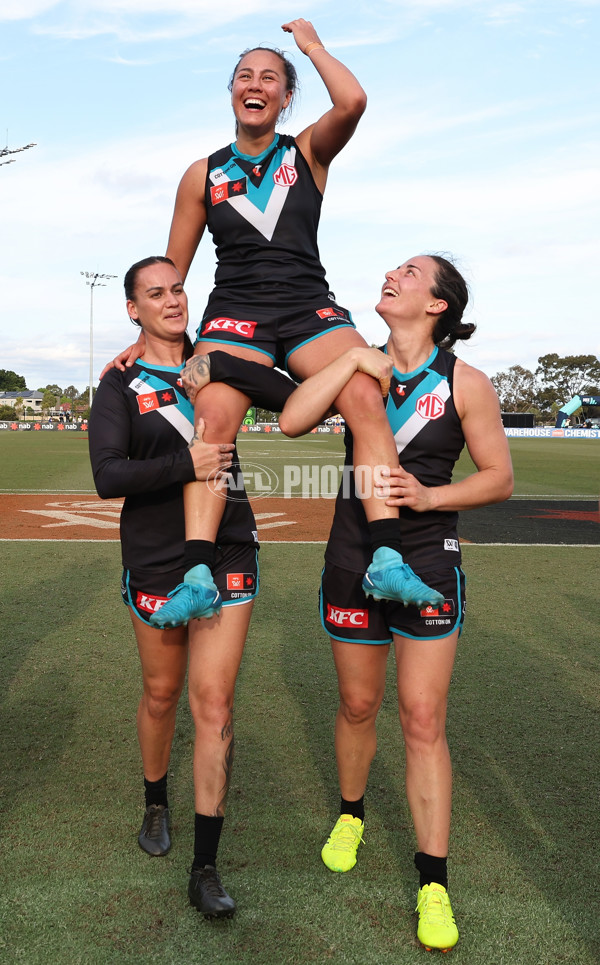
<point x="347" y="618"/>
<point x="430" y="406"/>
<point x="236" y="325"/>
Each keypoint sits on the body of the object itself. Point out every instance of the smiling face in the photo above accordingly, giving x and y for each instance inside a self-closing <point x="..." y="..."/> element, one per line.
<point x="259" y="91"/>
<point x="159" y="303"/>
<point x="407" y="292"/>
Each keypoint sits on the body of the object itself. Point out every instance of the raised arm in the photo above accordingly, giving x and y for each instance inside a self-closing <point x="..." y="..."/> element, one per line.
<point x="189" y="217"/>
<point x="321" y="141"/>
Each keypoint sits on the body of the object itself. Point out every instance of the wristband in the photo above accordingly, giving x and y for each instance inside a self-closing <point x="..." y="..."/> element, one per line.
<point x="313" y="45"/>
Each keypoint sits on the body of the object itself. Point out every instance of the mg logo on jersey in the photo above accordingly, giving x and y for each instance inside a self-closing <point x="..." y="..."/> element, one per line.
<point x="347" y="618"/>
<point x="285" y="175"/>
<point x="236" y="325"/>
<point x="431" y="406"/>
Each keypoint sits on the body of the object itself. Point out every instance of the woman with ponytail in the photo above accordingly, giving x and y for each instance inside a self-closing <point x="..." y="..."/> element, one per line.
<point x="436" y="404"/>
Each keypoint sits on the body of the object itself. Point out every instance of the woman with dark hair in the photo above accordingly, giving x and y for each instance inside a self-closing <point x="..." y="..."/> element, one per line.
<point x="260" y="198"/>
<point x="143" y="447"/>
<point x="436" y="404"/>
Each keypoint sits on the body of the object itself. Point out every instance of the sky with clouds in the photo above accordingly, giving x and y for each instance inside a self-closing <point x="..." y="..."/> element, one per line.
<point x="481" y="138"/>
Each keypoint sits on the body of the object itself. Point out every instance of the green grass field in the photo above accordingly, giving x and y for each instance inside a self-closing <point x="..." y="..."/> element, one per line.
<point x="59" y="461"/>
<point x="524" y="728"/>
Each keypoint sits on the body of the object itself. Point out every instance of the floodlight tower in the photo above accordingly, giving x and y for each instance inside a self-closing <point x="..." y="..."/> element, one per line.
<point x="93" y="280"/>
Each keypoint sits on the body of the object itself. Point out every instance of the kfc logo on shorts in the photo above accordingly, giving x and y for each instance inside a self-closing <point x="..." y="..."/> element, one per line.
<point x="347" y="618"/>
<point x="285" y="175"/>
<point x="149" y="604"/>
<point x="326" y="312"/>
<point x="240" y="581"/>
<point x="235" y="325"/>
<point x="430" y="406"/>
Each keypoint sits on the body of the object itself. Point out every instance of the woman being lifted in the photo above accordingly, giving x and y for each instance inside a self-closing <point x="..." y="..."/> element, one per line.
<point x="260" y="198"/>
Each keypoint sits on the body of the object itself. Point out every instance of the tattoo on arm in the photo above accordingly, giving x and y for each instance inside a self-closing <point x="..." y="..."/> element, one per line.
<point x="197" y="369"/>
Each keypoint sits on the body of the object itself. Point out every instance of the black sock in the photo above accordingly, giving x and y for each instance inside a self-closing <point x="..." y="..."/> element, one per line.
<point x="198" y="551"/>
<point x="431" y="869"/>
<point x="156" y="792"/>
<point x="207" y="831"/>
<point x="385" y="532"/>
<point x="355" y="808"/>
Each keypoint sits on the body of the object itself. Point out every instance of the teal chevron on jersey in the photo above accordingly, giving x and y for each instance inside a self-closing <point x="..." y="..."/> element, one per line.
<point x="260" y="200"/>
<point x="409" y="407"/>
<point x="156" y="395"/>
<point x="263" y="213"/>
<point x="259" y="191"/>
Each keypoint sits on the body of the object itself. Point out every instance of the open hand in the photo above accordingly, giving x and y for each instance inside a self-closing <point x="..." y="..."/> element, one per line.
<point x="401" y="488"/>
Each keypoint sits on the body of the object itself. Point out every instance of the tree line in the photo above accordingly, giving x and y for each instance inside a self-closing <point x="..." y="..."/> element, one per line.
<point x="555" y="382"/>
<point x="53" y="396"/>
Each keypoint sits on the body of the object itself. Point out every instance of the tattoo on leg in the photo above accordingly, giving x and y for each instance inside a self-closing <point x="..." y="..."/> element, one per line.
<point x="226" y="737"/>
<point x="227" y="768"/>
<point x="227" y="730"/>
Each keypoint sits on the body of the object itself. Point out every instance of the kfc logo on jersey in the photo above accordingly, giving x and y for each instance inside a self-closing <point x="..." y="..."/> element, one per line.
<point x="149" y="604"/>
<point x="347" y="618"/>
<point x="285" y="175"/>
<point x="235" y="325"/>
<point x="240" y="581"/>
<point x="430" y="406"/>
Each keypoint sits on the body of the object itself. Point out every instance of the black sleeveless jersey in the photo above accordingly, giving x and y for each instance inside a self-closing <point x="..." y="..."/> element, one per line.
<point x="140" y="426"/>
<point x="263" y="213"/>
<point x="429" y="439"/>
